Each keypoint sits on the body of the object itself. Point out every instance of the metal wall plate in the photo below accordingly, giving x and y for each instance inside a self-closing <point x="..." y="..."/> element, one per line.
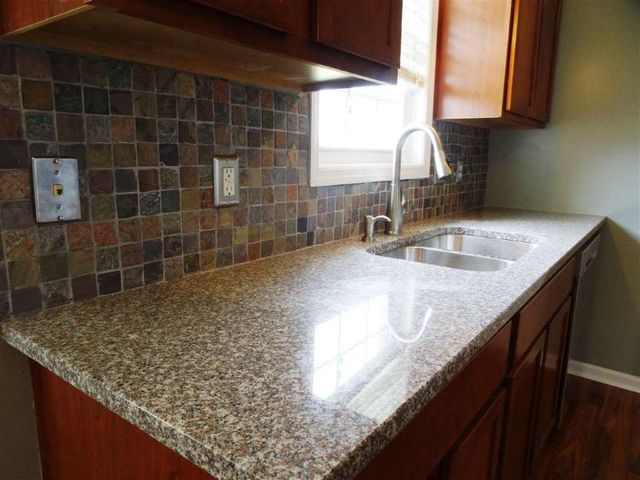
<point x="56" y="189"/>
<point x="226" y="176"/>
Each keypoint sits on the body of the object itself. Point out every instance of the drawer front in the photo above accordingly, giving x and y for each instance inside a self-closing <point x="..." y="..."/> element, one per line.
<point x="539" y="311"/>
<point x="418" y="449"/>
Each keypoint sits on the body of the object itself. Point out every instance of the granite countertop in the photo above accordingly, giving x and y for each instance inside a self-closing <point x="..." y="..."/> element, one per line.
<point x="302" y="365"/>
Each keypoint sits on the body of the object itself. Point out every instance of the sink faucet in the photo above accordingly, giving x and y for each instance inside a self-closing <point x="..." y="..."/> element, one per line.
<point x="443" y="169"/>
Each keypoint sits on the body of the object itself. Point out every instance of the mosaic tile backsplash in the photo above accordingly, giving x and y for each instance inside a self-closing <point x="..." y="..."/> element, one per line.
<point x="145" y="138"/>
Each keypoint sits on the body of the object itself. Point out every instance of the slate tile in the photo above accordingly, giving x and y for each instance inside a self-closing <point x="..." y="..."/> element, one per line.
<point x="23" y="272"/>
<point x="101" y="181"/>
<point x="131" y="254"/>
<point x="94" y="72"/>
<point x="185" y="85"/>
<point x="126" y="180"/>
<point x="79" y="235"/>
<point x="147" y="154"/>
<point x="132" y="278"/>
<point x="103" y="207"/>
<point x="104" y="234"/>
<point x="150" y="203"/>
<point x="56" y="293"/>
<point x="143" y="78"/>
<point x="9" y="92"/>
<point x="148" y="179"/>
<point x="107" y="259"/>
<point x="121" y="102"/>
<point x="167" y="106"/>
<point x="68" y="98"/>
<point x="172" y="246"/>
<point x="123" y="129"/>
<point x="170" y="201"/>
<point x="129" y="230"/>
<point x="220" y="90"/>
<point x="99" y="155"/>
<point x="7" y="59"/>
<point x="168" y="154"/>
<point x="26" y="299"/>
<point x="81" y="262"/>
<point x="11" y="123"/>
<point x="70" y="127"/>
<point x="144" y="104"/>
<point x="165" y="80"/>
<point x="65" y="67"/>
<point x="124" y="155"/>
<point x="127" y="205"/>
<point x="14" y="154"/>
<point x="119" y="74"/>
<point x="51" y="238"/>
<point x="33" y="63"/>
<point x="146" y="130"/>
<point x="96" y="100"/>
<point x="17" y="215"/>
<point x="187" y="132"/>
<point x="98" y="128"/>
<point x="186" y="108"/>
<point x="53" y="266"/>
<point x="110" y="282"/>
<point x="19" y="243"/>
<point x="84" y="287"/>
<point x="153" y="272"/>
<point x="15" y="185"/>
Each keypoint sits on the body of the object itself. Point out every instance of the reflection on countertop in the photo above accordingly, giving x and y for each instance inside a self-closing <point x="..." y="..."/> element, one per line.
<point x="297" y="366"/>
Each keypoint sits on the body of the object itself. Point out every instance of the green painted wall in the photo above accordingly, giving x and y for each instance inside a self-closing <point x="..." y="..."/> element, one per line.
<point x="587" y="160"/>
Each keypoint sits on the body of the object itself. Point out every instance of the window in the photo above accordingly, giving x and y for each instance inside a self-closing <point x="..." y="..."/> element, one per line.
<point x="354" y="130"/>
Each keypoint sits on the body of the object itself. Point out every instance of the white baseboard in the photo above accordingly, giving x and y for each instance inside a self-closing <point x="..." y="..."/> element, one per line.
<point x="604" y="375"/>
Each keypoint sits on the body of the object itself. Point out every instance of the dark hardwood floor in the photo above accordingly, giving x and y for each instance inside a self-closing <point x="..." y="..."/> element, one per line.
<point x="599" y="438"/>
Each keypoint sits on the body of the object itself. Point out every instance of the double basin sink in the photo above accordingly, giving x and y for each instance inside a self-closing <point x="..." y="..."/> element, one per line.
<point x="463" y="251"/>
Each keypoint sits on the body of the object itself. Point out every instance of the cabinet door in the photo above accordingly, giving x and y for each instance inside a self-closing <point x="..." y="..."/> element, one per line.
<point x="476" y="456"/>
<point x="533" y="41"/>
<point x="521" y="413"/>
<point x="368" y="28"/>
<point x="290" y="16"/>
<point x="551" y="375"/>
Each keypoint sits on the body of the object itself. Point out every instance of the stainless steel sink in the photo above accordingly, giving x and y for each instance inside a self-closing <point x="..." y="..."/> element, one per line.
<point x="463" y="251"/>
<point x="476" y="245"/>
<point x="461" y="261"/>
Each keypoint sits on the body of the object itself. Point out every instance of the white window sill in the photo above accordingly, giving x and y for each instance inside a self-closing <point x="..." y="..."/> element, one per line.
<point x="362" y="173"/>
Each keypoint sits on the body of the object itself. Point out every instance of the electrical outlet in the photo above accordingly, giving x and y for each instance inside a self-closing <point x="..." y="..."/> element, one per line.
<point x="56" y="189"/>
<point x="228" y="182"/>
<point x="226" y="190"/>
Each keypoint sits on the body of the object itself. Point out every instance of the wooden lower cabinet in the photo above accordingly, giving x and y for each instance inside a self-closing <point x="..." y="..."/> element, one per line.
<point x="550" y="377"/>
<point x="523" y="391"/>
<point x="477" y="454"/>
<point x="81" y="439"/>
<point x="534" y="391"/>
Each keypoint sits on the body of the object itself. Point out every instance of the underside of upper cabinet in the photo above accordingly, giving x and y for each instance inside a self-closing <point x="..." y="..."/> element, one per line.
<point x="273" y="43"/>
<point x="495" y="62"/>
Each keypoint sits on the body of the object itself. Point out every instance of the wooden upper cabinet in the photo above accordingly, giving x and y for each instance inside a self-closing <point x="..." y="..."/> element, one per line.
<point x="495" y="61"/>
<point x="290" y="16"/>
<point x="532" y="58"/>
<point x="272" y="43"/>
<point x="368" y="28"/>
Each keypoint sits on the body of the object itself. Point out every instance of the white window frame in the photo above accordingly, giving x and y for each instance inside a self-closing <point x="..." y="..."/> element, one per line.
<point x="360" y="166"/>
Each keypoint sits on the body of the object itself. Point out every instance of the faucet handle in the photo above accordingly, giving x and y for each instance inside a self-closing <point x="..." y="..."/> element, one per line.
<point x="371" y="223"/>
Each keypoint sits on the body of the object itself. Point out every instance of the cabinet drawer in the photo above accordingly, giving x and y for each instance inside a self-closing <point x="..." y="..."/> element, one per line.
<point x="539" y="311"/>
<point x="418" y="449"/>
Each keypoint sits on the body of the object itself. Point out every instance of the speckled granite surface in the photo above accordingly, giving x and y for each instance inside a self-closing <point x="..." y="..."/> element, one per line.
<point x="297" y="366"/>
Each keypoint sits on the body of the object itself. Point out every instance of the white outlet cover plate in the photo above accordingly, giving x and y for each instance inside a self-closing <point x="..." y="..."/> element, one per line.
<point x="48" y="172"/>
<point x="226" y="176"/>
